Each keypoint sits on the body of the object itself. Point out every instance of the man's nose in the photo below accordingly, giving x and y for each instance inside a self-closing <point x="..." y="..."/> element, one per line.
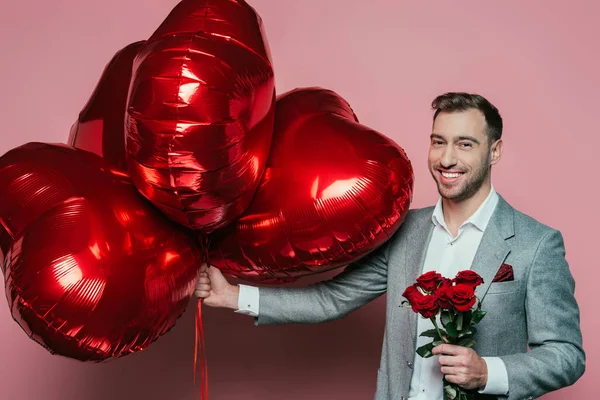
<point x="448" y="157"/>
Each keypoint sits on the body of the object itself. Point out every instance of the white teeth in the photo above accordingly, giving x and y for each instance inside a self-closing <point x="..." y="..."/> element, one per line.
<point x="451" y="175"/>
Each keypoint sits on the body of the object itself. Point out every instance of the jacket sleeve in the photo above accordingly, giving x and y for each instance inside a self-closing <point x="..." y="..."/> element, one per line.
<point x="556" y="358"/>
<point x="358" y="284"/>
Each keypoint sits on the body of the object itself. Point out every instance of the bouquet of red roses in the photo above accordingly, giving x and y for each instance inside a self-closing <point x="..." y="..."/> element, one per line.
<point x="454" y="301"/>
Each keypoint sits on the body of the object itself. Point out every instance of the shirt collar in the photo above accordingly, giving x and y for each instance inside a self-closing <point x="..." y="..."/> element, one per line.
<point x="479" y="218"/>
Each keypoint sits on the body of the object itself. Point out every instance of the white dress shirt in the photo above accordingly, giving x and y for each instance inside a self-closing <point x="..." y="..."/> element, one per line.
<point x="446" y="255"/>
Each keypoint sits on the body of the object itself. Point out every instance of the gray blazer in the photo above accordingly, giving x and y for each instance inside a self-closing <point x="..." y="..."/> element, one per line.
<point x="536" y="312"/>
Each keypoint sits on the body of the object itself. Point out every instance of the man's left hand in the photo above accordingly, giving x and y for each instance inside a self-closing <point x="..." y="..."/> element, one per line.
<point x="462" y="366"/>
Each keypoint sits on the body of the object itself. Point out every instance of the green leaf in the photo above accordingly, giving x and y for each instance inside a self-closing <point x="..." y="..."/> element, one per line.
<point x="468" y="332"/>
<point x="450" y="392"/>
<point x="467" y="318"/>
<point x="445" y="317"/>
<point x="451" y="329"/>
<point x="425" y="350"/>
<point x="437" y="343"/>
<point x="432" y="333"/>
<point x="462" y="394"/>
<point x="466" y="342"/>
<point x="459" y="321"/>
<point x="478" y="316"/>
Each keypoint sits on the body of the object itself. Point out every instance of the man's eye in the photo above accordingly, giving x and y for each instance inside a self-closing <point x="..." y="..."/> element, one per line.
<point x="466" y="145"/>
<point x="437" y="142"/>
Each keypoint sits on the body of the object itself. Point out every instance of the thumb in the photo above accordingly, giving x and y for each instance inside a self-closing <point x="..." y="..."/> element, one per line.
<point x="215" y="275"/>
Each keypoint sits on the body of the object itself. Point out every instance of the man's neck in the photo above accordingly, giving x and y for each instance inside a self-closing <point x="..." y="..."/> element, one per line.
<point x="457" y="212"/>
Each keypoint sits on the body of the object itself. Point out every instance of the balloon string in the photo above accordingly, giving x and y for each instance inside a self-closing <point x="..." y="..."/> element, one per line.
<point x="200" y="352"/>
<point x="199" y="347"/>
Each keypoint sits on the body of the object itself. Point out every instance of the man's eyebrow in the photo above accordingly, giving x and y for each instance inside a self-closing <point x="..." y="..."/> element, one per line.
<point x="469" y="138"/>
<point x="462" y="137"/>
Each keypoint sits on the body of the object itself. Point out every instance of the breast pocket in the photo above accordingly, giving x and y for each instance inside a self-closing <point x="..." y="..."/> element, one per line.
<point x="504" y="287"/>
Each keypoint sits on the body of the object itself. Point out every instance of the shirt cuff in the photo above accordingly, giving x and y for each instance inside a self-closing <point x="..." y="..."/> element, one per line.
<point x="248" y="300"/>
<point x="497" y="381"/>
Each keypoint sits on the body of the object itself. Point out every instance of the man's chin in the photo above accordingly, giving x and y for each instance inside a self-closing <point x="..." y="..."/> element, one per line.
<point x="452" y="195"/>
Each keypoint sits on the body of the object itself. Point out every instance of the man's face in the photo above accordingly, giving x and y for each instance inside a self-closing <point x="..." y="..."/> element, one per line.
<point x="460" y="155"/>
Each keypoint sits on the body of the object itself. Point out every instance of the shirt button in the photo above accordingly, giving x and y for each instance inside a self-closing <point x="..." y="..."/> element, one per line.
<point x="409" y="364"/>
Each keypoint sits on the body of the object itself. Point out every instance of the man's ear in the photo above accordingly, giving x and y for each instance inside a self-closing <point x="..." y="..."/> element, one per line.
<point x="496" y="151"/>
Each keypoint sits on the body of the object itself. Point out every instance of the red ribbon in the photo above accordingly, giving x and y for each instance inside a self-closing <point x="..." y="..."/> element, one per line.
<point x="200" y="352"/>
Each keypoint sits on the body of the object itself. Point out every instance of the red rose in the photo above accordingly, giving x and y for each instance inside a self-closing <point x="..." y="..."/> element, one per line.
<point x="444" y="293"/>
<point x="427" y="306"/>
<point x="468" y="277"/>
<point x="463" y="297"/>
<point x="429" y="281"/>
<point x="412" y="293"/>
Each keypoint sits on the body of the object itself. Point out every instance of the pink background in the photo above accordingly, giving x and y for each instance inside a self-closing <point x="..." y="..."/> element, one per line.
<point x="536" y="60"/>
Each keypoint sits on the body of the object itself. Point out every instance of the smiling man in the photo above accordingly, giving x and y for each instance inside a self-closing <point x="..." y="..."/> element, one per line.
<point x="530" y="341"/>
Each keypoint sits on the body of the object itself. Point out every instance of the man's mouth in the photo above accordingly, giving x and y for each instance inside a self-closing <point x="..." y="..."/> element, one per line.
<point x="450" y="176"/>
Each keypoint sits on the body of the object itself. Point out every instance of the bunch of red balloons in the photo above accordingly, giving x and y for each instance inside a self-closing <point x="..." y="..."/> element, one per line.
<point x="182" y="155"/>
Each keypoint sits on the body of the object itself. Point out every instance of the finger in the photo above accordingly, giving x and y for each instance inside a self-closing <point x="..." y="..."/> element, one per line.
<point x="203" y="267"/>
<point x="202" y="294"/>
<point x="456" y="379"/>
<point x="452" y="370"/>
<point x="449" y="349"/>
<point x="203" y="287"/>
<point x="450" y="360"/>
<point x="204" y="280"/>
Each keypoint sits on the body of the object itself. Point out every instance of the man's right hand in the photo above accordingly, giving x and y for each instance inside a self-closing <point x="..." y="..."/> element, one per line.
<point x="214" y="289"/>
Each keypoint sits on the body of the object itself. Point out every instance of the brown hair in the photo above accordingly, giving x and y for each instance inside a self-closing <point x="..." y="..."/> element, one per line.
<point x="459" y="101"/>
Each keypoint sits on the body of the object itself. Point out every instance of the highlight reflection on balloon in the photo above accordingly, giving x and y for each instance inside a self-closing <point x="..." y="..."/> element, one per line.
<point x="333" y="190"/>
<point x="92" y="271"/>
<point x="100" y="127"/>
<point x="200" y="113"/>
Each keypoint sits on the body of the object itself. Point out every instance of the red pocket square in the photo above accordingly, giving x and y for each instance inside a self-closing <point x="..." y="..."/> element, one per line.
<point x="504" y="274"/>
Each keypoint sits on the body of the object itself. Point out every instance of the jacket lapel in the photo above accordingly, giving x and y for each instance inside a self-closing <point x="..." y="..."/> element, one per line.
<point x="416" y="249"/>
<point x="490" y="255"/>
<point x="493" y="249"/>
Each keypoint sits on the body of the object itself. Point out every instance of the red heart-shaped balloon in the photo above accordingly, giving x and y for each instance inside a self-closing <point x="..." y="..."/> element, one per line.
<point x="333" y="190"/>
<point x="200" y="113"/>
<point x="100" y="127"/>
<point x="92" y="270"/>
